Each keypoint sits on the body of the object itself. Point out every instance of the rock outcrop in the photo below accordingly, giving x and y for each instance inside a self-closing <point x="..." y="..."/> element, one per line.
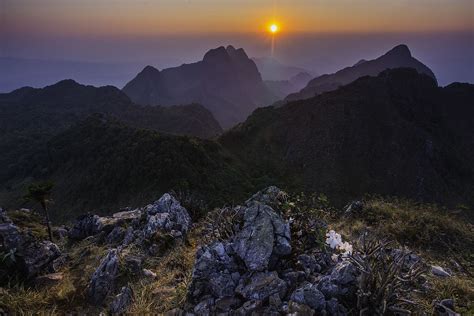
<point x="85" y="226"/>
<point x="168" y="215"/>
<point x="123" y="229"/>
<point x="102" y="282"/>
<point x="252" y="272"/>
<point x="31" y="256"/>
<point x="121" y="302"/>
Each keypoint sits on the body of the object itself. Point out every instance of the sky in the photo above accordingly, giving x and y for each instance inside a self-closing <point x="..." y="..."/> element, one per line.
<point x="320" y="35"/>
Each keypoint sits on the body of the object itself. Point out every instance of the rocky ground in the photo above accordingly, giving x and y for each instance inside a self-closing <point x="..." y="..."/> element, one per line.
<point x="274" y="255"/>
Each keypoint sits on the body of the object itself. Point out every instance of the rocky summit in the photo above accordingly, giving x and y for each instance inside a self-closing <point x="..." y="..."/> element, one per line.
<point x="269" y="256"/>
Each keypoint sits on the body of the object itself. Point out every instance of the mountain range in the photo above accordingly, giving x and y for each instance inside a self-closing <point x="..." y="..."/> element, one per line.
<point x="282" y="88"/>
<point x="40" y="73"/>
<point x="399" y="56"/>
<point x="272" y="69"/>
<point x="396" y="133"/>
<point x="226" y="81"/>
<point x="30" y="118"/>
<point x="58" y="106"/>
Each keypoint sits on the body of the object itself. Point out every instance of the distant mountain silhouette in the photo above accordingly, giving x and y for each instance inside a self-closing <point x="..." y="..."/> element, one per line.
<point x="399" y="56"/>
<point x="59" y="105"/>
<point x="282" y="88"/>
<point x="273" y="70"/>
<point x="397" y="134"/>
<point x="40" y="73"/>
<point x="226" y="82"/>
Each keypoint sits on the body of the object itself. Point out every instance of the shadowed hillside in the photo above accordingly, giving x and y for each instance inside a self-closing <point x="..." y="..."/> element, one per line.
<point x="396" y="134"/>
<point x="100" y="163"/>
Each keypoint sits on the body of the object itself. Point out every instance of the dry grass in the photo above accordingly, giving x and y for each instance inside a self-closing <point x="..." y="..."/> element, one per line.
<point x="460" y="289"/>
<point x="439" y="236"/>
<point x="169" y="289"/>
<point x="65" y="296"/>
<point x="21" y="300"/>
<point x="422" y="227"/>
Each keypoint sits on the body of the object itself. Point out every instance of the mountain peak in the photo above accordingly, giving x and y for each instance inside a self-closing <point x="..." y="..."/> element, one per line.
<point x="66" y="83"/>
<point x="149" y="70"/>
<point x="399" y="51"/>
<point x="217" y="55"/>
<point x="237" y="54"/>
<point x="230" y="49"/>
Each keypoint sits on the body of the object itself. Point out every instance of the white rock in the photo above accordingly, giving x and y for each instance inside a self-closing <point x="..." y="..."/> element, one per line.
<point x="149" y="273"/>
<point x="439" y="271"/>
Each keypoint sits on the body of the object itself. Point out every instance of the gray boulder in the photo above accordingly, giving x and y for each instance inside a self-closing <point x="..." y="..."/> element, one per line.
<point x="309" y="263"/>
<point x="261" y="285"/>
<point x="129" y="236"/>
<point x="35" y="257"/>
<point x="439" y="271"/>
<point x="11" y="236"/>
<point x="264" y="233"/>
<point x="341" y="282"/>
<point x="215" y="272"/>
<point x="103" y="279"/>
<point x="204" y="307"/>
<point x="85" y="226"/>
<point x="248" y="308"/>
<point x="31" y="256"/>
<point x="309" y="295"/>
<point x="122" y="301"/>
<point x="167" y="214"/>
<point x="116" y="235"/>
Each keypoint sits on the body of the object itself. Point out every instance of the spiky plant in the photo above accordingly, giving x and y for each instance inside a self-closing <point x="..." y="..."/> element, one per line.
<point x="386" y="277"/>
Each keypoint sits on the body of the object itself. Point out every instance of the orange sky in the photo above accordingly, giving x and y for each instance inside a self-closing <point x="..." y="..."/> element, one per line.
<point x="153" y="17"/>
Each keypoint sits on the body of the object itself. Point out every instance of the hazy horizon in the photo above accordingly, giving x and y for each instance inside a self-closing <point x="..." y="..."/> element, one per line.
<point x="320" y="36"/>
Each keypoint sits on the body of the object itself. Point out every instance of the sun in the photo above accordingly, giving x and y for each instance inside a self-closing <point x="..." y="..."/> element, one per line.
<point x="273" y="28"/>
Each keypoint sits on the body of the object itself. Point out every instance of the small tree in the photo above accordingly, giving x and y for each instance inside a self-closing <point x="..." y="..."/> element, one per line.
<point x="41" y="193"/>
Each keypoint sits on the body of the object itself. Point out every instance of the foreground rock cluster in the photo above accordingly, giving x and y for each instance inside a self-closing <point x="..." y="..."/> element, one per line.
<point x="27" y="255"/>
<point x="258" y="268"/>
<point x="130" y="227"/>
<point x="254" y="271"/>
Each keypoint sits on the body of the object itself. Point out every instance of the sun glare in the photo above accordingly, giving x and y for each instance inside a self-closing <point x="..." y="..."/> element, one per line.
<point x="273" y="28"/>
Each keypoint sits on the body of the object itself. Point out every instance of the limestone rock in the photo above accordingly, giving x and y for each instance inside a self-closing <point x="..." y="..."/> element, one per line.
<point x="341" y="281"/>
<point x="309" y="295"/>
<point x="167" y="214"/>
<point x="121" y="302"/>
<point x="85" y="226"/>
<point x="103" y="279"/>
<point x="264" y="232"/>
<point x="262" y="285"/>
<point x="439" y="271"/>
